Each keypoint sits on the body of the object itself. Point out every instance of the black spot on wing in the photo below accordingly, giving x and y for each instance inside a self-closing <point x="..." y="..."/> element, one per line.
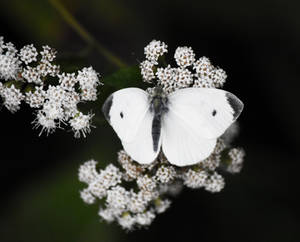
<point x="235" y="103"/>
<point x="107" y="106"/>
<point x="214" y="112"/>
<point x="156" y="127"/>
<point x="121" y="115"/>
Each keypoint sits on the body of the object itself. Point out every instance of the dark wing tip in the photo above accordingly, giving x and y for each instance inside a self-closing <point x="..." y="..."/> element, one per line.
<point x="107" y="106"/>
<point x="236" y="104"/>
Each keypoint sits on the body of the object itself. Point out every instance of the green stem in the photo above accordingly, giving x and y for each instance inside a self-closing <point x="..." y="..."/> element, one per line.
<point x="68" y="17"/>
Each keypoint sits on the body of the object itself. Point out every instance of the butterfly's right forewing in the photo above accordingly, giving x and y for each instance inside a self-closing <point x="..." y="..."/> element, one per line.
<point x="196" y="117"/>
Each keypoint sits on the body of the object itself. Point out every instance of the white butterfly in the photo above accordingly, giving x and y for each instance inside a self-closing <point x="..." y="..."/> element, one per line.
<point x="185" y="123"/>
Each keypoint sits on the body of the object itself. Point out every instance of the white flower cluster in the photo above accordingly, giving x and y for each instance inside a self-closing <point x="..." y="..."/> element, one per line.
<point x="130" y="208"/>
<point x="236" y="160"/>
<point x="134" y="207"/>
<point x="31" y="76"/>
<point x="9" y="61"/>
<point x="139" y="192"/>
<point x="188" y="73"/>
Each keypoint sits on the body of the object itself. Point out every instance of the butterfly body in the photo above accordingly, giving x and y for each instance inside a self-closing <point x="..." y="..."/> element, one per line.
<point x="185" y="123"/>
<point x="158" y="106"/>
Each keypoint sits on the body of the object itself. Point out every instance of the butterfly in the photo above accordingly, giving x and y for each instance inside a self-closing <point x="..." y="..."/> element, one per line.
<point x="184" y="124"/>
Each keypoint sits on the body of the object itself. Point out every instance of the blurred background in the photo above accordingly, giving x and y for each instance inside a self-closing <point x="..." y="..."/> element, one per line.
<point x="256" y="42"/>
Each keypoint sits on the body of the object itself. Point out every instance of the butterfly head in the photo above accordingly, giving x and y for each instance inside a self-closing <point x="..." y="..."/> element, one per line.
<point x="158" y="91"/>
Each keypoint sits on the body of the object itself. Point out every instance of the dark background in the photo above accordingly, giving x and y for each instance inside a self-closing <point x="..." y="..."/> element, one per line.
<point x="256" y="42"/>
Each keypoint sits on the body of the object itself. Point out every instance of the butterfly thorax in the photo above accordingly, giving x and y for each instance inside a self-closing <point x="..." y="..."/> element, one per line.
<point x="158" y="102"/>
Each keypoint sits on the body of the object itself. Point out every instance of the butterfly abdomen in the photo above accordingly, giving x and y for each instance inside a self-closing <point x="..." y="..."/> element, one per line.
<point x="156" y="130"/>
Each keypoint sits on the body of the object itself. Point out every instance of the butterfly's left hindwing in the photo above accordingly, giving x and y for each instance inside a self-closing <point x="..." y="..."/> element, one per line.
<point x="128" y="112"/>
<point x="142" y="148"/>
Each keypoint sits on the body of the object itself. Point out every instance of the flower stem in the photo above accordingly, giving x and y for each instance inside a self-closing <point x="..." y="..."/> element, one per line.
<point x="77" y="27"/>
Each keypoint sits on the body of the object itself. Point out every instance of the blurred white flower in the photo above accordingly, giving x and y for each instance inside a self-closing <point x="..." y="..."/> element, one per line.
<point x="87" y="172"/>
<point x="107" y="214"/>
<point x="12" y="98"/>
<point x="215" y="183"/>
<point x="212" y="162"/>
<point x="126" y="221"/>
<point x="237" y="158"/>
<point x="162" y="205"/>
<point x="145" y="218"/>
<point x="87" y="197"/>
<point x="195" y="179"/>
<point x="9" y="67"/>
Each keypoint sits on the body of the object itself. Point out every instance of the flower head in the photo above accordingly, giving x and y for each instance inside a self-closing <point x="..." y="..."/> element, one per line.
<point x="154" y="50"/>
<point x="12" y="98"/>
<point x="80" y="124"/>
<point x="48" y="54"/>
<point x="147" y="70"/>
<point x="28" y="54"/>
<point x="88" y="81"/>
<point x="9" y="66"/>
<point x="47" y="124"/>
<point x="184" y="56"/>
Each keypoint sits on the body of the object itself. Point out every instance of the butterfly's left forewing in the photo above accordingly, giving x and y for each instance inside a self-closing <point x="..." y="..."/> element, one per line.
<point x="125" y="110"/>
<point x="128" y="112"/>
<point x="196" y="117"/>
